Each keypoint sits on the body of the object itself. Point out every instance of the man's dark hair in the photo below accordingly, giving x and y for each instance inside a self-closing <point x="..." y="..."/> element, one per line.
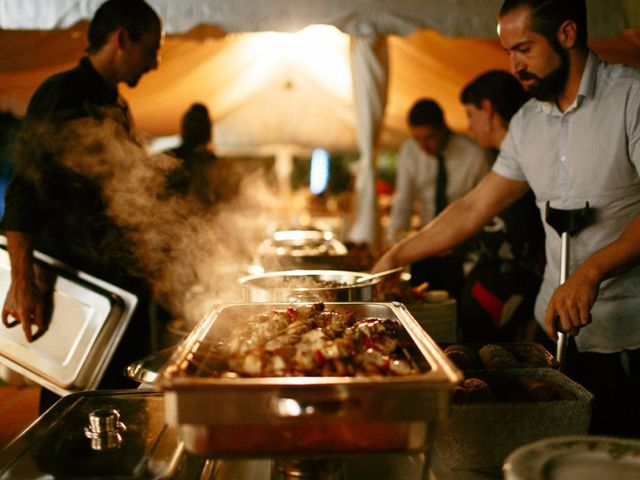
<point x="548" y="15"/>
<point x="196" y="125"/>
<point x="426" y="112"/>
<point x="135" y="16"/>
<point x="502" y="89"/>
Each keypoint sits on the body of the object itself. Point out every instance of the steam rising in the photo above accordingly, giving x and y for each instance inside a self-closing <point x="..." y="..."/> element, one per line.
<point x="192" y="256"/>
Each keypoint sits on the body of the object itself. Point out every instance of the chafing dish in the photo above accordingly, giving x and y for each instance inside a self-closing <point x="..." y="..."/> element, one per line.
<point x="301" y="247"/>
<point x="309" y="285"/>
<point x="305" y="415"/>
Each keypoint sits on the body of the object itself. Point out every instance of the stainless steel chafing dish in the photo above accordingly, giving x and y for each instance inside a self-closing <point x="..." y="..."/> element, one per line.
<point x="88" y="320"/>
<point x="301" y="247"/>
<point x="309" y="285"/>
<point x="305" y="415"/>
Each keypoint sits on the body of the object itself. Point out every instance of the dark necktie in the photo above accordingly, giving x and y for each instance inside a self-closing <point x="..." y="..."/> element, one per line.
<point x="441" y="186"/>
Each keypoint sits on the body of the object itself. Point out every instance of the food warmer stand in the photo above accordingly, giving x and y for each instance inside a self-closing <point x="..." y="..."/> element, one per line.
<point x="125" y="433"/>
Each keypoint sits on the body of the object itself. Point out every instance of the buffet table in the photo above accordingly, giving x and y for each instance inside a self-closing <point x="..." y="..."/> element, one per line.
<point x="141" y="446"/>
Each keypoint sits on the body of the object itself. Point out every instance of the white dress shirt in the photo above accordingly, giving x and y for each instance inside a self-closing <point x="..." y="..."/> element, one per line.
<point x="466" y="163"/>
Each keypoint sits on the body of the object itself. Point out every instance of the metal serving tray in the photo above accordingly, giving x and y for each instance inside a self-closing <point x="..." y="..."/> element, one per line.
<point x="60" y="445"/>
<point x="88" y="319"/>
<point x="307" y="415"/>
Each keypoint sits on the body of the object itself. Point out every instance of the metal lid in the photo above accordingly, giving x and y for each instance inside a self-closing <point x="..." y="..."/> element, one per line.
<point x="88" y="319"/>
<point x="84" y="436"/>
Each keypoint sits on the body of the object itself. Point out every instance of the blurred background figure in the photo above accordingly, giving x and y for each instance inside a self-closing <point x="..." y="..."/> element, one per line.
<point x="506" y="258"/>
<point x="435" y="167"/>
<point x="195" y="175"/>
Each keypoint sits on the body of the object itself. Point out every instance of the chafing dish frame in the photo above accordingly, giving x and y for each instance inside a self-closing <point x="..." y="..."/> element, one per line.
<point x="222" y="416"/>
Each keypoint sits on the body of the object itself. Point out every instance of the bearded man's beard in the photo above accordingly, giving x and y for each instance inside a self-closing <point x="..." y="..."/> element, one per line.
<point x="551" y="86"/>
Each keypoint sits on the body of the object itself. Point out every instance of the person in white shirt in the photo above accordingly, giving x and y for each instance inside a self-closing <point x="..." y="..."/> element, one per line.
<point x="435" y="167"/>
<point x="577" y="140"/>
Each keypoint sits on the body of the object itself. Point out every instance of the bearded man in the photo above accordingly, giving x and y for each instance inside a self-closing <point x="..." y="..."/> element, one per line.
<point x="576" y="141"/>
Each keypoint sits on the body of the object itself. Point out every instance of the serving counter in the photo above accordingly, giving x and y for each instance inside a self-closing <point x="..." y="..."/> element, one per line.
<point x="60" y="445"/>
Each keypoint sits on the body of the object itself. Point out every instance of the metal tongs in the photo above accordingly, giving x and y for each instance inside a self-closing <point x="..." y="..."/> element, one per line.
<point x="566" y="223"/>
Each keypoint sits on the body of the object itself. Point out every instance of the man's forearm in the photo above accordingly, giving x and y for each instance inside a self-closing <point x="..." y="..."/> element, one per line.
<point x="616" y="257"/>
<point x="461" y="220"/>
<point x="20" y="249"/>
<point x="456" y="224"/>
<point x="572" y="301"/>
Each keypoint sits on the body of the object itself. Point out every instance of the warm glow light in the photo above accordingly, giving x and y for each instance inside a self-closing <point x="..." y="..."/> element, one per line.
<point x="321" y="50"/>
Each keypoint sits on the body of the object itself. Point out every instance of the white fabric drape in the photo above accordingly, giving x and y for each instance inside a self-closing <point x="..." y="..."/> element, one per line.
<point x="307" y="103"/>
<point x="469" y="18"/>
<point x="369" y="71"/>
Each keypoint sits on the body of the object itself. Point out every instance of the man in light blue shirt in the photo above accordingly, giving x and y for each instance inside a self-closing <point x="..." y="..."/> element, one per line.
<point x="577" y="140"/>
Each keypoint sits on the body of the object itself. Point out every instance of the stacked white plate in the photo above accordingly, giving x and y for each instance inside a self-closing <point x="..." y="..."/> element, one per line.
<point x="439" y="320"/>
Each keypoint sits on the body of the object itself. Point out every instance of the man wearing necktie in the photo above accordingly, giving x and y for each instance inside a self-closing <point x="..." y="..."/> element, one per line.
<point x="441" y="186"/>
<point x="435" y="167"/>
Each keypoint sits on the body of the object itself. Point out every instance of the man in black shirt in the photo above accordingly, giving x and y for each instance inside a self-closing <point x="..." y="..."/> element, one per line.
<point x="50" y="207"/>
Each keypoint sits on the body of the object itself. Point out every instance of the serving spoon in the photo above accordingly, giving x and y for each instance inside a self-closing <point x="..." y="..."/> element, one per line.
<point x="374" y="276"/>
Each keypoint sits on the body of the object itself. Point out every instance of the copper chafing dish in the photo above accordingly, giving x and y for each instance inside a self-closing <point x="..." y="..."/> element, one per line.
<point x="317" y="415"/>
<point x="309" y="285"/>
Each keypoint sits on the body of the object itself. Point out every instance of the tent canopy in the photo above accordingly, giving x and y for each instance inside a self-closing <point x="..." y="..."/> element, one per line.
<point x="468" y="18"/>
<point x="344" y="84"/>
<point x="286" y="88"/>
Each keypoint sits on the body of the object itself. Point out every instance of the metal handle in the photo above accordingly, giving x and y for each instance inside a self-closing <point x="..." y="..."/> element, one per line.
<point x="147" y="369"/>
<point x="566" y="223"/>
<point x="104" y="429"/>
<point x="563" y="339"/>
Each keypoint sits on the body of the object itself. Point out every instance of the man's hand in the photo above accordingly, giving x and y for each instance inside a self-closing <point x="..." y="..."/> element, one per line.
<point x="386" y="262"/>
<point x="25" y="301"/>
<point x="571" y="303"/>
<point x="25" y="304"/>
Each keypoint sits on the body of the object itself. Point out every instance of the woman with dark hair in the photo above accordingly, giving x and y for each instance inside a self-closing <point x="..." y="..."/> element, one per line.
<point x="490" y="101"/>
<point x="507" y="255"/>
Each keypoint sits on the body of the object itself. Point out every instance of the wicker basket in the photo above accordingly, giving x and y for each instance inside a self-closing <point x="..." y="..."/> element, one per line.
<point x="439" y="320"/>
<point x="481" y="435"/>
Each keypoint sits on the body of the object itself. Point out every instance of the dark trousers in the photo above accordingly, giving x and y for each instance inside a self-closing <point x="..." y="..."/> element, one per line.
<point x="614" y="381"/>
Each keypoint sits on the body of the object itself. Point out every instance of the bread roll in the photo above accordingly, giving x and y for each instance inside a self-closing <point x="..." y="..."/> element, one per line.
<point x="463" y="356"/>
<point x="496" y="356"/>
<point x="472" y="390"/>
